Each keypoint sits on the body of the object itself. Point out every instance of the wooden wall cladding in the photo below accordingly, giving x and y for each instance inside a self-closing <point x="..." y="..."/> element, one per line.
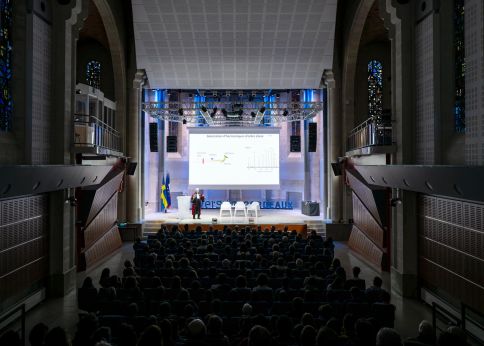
<point x="367" y="197"/>
<point x="451" y="243"/>
<point x="102" y="195"/>
<point x="23" y="244"/>
<point x="365" y="221"/>
<point x="361" y="244"/>
<point x="109" y="242"/>
<point x="102" y="223"/>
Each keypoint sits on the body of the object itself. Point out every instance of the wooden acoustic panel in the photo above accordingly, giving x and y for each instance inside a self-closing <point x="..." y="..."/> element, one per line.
<point x="102" y="195"/>
<point x="103" y="247"/>
<point x="102" y="223"/>
<point x="361" y="244"/>
<point x="364" y="220"/>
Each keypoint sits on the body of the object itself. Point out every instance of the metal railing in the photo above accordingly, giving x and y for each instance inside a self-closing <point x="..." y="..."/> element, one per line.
<point x="371" y="132"/>
<point x="464" y="321"/>
<point x="12" y="312"/>
<point x="89" y="131"/>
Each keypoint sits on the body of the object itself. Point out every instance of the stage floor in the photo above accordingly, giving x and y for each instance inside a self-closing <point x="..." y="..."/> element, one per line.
<point x="266" y="217"/>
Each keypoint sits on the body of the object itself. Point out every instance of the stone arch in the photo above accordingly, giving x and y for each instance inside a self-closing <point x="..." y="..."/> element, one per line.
<point x="349" y="65"/>
<point x="118" y="58"/>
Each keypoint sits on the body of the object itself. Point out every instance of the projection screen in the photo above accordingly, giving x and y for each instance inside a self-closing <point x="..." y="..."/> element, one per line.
<point x="234" y="158"/>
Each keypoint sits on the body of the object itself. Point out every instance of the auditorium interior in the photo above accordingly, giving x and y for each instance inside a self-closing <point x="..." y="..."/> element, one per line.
<point x="241" y="172"/>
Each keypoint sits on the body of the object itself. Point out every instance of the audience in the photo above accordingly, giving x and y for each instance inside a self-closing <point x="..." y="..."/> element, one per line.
<point x="234" y="288"/>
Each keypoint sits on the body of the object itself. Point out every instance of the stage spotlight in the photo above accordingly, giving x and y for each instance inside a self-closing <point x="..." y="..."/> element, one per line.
<point x="203" y="109"/>
<point x="227" y="93"/>
<point x="252" y="114"/>
<point x="285" y="113"/>
<point x="262" y="110"/>
<point x="224" y="112"/>
<point x="241" y="93"/>
<point x="180" y="111"/>
<point x="214" y="112"/>
<point x="278" y="95"/>
<point x="240" y="112"/>
<point x="184" y="121"/>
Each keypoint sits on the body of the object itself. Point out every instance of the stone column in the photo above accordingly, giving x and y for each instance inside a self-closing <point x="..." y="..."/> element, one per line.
<point x="335" y="190"/>
<point x="134" y="148"/>
<point x="67" y="20"/>
<point x="404" y="249"/>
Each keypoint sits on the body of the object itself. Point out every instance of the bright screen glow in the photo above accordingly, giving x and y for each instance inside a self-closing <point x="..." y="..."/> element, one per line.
<point x="237" y="158"/>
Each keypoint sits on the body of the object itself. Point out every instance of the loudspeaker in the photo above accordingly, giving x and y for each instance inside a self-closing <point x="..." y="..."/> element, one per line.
<point x="312" y="137"/>
<point x="131" y="168"/>
<point x="214" y="220"/>
<point x="154" y="137"/>
<point x="171" y="144"/>
<point x="337" y="168"/>
<point x="295" y="144"/>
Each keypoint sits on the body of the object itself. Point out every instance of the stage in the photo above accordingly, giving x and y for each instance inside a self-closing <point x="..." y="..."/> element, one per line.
<point x="267" y="218"/>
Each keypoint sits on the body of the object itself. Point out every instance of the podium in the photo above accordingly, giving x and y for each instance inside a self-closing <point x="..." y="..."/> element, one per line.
<point x="310" y="208"/>
<point x="184" y="207"/>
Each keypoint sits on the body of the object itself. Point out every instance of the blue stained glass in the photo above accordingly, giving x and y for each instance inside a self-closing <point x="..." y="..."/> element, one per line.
<point x="6" y="102"/>
<point x="375" y="88"/>
<point x="459" y="67"/>
<point x="93" y="74"/>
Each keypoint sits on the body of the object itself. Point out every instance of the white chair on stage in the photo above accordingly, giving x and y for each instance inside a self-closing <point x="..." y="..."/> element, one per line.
<point x="253" y="207"/>
<point x="226" y="206"/>
<point x="240" y="206"/>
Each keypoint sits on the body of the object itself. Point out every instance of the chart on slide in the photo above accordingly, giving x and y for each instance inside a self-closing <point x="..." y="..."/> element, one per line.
<point x="263" y="160"/>
<point x="228" y="159"/>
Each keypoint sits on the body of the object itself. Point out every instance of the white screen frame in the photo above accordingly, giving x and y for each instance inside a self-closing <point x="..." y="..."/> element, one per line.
<point x="236" y="130"/>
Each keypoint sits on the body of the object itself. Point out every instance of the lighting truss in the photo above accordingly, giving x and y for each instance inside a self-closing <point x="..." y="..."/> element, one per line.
<point x="253" y="113"/>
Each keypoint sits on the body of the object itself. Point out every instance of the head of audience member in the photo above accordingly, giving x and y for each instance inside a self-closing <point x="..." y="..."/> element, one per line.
<point x="151" y="336"/>
<point x="307" y="336"/>
<point x="214" y="325"/>
<point x="262" y="280"/>
<point x="246" y="309"/>
<point x="196" y="330"/>
<point x="364" y="331"/>
<point x="377" y="282"/>
<point x="37" y="334"/>
<point x="241" y="281"/>
<point x="388" y="337"/>
<point x="87" y="283"/>
<point x="356" y="272"/>
<point x="326" y="336"/>
<point x="426" y="332"/>
<point x="259" y="336"/>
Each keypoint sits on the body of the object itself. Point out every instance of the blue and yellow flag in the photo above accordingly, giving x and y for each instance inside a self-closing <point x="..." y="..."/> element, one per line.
<point x="164" y="202"/>
<point x="167" y="190"/>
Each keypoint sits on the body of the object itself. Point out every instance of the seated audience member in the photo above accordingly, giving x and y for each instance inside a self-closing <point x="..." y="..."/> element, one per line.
<point x="215" y="335"/>
<point x="307" y="336"/>
<point x="195" y="334"/>
<point x="326" y="336"/>
<point x="151" y="336"/>
<point x="425" y="335"/>
<point x="388" y="337"/>
<point x="240" y="292"/>
<point x="355" y="281"/>
<point x="127" y="335"/>
<point x="259" y="336"/>
<point x="374" y="292"/>
<point x="37" y="334"/>
<point x="284" y="329"/>
<point x="262" y="291"/>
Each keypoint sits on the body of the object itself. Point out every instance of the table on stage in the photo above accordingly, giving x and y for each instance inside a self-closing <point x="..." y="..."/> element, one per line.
<point x="184" y="207"/>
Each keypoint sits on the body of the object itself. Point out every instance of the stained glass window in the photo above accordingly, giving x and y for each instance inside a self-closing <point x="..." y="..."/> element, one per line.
<point x="375" y="88"/>
<point x="459" y="66"/>
<point x="6" y="103"/>
<point x="93" y="74"/>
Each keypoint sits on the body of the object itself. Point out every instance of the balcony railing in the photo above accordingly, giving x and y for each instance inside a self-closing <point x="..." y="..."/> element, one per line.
<point x="372" y="132"/>
<point x="92" y="133"/>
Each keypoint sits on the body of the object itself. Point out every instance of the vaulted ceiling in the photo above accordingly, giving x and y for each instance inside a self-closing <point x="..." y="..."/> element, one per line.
<point x="234" y="44"/>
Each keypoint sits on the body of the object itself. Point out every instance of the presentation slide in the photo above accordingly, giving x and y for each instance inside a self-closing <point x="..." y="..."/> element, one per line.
<point x="245" y="158"/>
